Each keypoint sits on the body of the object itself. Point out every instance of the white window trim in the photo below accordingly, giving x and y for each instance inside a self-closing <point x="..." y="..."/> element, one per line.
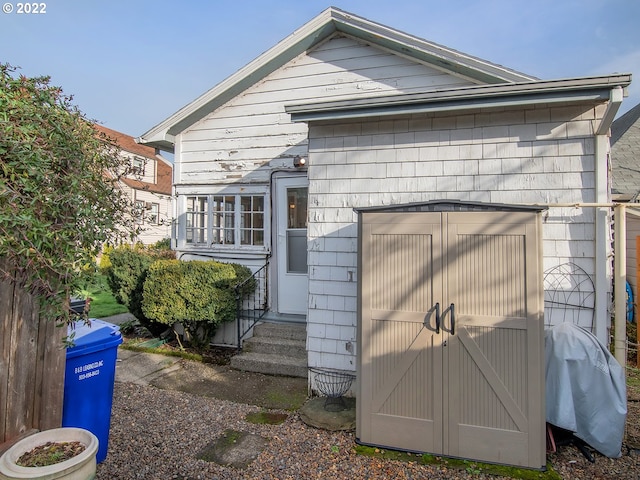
<point x="237" y="192"/>
<point x="138" y="166"/>
<point x="157" y="212"/>
<point x="139" y="211"/>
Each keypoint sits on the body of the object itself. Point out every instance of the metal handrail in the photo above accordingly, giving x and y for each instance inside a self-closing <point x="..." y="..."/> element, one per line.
<point x="251" y="306"/>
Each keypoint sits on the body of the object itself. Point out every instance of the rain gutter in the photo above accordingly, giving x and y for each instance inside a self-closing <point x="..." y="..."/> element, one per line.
<point x="588" y="89"/>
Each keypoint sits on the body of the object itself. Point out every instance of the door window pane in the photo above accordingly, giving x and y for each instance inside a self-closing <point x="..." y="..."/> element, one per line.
<point x="297" y="229"/>
<point x="297" y="251"/>
<point x="297" y="207"/>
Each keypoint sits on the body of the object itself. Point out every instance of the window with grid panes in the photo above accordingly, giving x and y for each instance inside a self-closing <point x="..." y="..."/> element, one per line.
<point x="197" y="220"/>
<point x="236" y="220"/>
<point x="137" y="165"/>
<point x="153" y="216"/>
<point x="223" y="220"/>
<point x="138" y="211"/>
<point x="252" y="220"/>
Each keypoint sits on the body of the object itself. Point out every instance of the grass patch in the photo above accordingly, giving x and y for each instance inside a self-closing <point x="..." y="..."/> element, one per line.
<point x="103" y="303"/>
<point x="134" y="346"/>
<point x="266" y="418"/>
<point x="290" y="401"/>
<point x="468" y="466"/>
<point x="633" y="382"/>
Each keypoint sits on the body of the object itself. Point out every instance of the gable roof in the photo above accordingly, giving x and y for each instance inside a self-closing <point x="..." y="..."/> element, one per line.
<point x="328" y="23"/>
<point x="625" y="156"/>
<point x="164" y="170"/>
<point x="127" y="142"/>
<point x="624" y="123"/>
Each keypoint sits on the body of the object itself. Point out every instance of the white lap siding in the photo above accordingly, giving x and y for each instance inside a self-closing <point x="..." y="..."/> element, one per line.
<point x="251" y="134"/>
<point x="522" y="156"/>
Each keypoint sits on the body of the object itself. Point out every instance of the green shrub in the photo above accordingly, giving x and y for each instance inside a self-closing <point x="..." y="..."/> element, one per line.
<point x="164" y="244"/>
<point x="198" y="294"/>
<point x="243" y="273"/>
<point x="105" y="259"/>
<point x="126" y="275"/>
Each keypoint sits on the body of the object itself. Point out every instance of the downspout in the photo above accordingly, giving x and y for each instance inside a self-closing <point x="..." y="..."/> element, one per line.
<point x="602" y="221"/>
<point x="177" y="174"/>
<point x="602" y="278"/>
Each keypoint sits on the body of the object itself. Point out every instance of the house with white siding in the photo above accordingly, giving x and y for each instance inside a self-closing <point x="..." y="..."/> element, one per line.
<point x="288" y="160"/>
<point x="147" y="183"/>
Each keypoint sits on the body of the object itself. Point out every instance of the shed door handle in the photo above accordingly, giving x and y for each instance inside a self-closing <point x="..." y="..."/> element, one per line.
<point x="438" y="317"/>
<point x="453" y="318"/>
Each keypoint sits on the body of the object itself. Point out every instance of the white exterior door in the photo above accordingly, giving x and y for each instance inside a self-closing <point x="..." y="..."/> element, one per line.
<point x="291" y="244"/>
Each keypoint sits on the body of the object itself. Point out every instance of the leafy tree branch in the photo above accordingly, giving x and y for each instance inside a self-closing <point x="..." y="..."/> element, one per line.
<point x="60" y="200"/>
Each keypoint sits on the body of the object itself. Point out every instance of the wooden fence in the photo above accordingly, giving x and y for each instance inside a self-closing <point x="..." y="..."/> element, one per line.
<point x="32" y="365"/>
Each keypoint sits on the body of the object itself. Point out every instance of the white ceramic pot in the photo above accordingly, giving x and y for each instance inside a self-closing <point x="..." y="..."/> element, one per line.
<point x="80" y="467"/>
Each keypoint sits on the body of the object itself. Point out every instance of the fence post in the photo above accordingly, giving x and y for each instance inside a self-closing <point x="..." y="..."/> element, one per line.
<point x="620" y="283"/>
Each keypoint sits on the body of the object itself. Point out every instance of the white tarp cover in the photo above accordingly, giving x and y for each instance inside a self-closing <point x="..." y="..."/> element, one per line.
<point x="586" y="391"/>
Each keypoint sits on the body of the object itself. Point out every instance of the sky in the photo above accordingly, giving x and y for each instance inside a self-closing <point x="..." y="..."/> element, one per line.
<point x="130" y="64"/>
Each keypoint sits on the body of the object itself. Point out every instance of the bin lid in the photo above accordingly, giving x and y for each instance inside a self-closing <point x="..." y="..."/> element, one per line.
<point x="92" y="336"/>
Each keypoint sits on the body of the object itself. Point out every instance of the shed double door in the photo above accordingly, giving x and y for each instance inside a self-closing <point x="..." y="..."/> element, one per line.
<point x="451" y="335"/>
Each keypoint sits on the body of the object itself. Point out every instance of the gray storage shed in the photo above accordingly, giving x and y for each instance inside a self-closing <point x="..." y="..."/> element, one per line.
<point x="450" y="306"/>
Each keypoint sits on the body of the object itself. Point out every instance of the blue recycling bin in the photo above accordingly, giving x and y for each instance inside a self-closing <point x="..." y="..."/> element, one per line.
<point x="89" y="377"/>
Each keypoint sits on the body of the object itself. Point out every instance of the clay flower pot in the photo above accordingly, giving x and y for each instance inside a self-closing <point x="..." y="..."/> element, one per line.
<point x="80" y="467"/>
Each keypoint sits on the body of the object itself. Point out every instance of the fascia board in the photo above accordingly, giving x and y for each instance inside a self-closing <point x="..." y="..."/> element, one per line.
<point x="595" y="89"/>
<point x="316" y="30"/>
<point x="432" y="53"/>
<point x="296" y="43"/>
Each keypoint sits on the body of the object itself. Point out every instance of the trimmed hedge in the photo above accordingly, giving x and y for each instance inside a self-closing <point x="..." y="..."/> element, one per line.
<point x="198" y="294"/>
<point x="126" y="272"/>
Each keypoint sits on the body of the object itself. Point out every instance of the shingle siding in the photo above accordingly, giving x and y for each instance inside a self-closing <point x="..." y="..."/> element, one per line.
<point x="519" y="156"/>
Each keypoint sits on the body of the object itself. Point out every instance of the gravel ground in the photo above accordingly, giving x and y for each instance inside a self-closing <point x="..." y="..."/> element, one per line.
<point x="157" y="434"/>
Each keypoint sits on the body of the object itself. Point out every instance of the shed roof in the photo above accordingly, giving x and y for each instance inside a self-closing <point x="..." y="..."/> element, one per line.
<point x="326" y="24"/>
<point x="625" y="156"/>
<point x="452" y="206"/>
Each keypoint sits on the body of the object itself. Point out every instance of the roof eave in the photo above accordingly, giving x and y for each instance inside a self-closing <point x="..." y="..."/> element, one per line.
<point x="162" y="136"/>
<point x="589" y="89"/>
<point x="473" y="68"/>
<point x="157" y="140"/>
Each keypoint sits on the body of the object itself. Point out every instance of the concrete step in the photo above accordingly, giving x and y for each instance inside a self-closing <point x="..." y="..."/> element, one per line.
<point x="277" y="346"/>
<point x="290" y="331"/>
<point x="270" y="364"/>
<point x="275" y="349"/>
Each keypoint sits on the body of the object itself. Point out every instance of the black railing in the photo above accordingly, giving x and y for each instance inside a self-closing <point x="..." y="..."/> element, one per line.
<point x="251" y="303"/>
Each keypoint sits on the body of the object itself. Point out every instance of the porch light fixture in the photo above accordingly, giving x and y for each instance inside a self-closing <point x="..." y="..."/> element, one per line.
<point x="299" y="161"/>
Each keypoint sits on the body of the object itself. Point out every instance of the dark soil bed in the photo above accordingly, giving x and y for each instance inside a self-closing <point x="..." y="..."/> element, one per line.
<point x="50" y="453"/>
<point x="214" y="355"/>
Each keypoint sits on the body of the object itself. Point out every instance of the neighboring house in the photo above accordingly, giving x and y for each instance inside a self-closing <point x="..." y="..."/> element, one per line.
<point x="148" y="185"/>
<point x="349" y="129"/>
<point x="625" y="184"/>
